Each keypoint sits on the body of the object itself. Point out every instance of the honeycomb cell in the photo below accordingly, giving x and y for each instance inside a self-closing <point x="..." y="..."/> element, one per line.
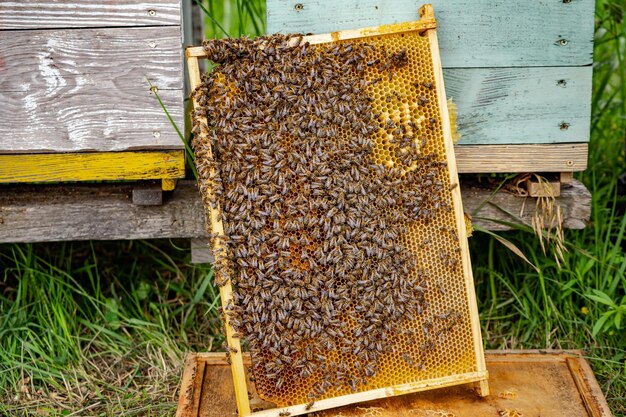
<point x="309" y="202"/>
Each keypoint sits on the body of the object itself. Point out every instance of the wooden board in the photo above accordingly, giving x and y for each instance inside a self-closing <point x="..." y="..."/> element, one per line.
<point x="575" y="201"/>
<point x="99" y="212"/>
<point x="95" y="166"/>
<point x="481" y="386"/>
<point x="38" y="14"/>
<point x="474" y="33"/>
<point x="86" y="90"/>
<point x="521" y="105"/>
<point x="521" y="158"/>
<point x="524" y="383"/>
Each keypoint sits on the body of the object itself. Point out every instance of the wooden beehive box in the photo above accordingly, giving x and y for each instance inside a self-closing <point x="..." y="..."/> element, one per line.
<point x="523" y="383"/>
<point x="520" y="72"/>
<point x="75" y="92"/>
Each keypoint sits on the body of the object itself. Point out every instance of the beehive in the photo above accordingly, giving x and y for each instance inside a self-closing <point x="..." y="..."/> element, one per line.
<point x="438" y="346"/>
<point x="85" y="119"/>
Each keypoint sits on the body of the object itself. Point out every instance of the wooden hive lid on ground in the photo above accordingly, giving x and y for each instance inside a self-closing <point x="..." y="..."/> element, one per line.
<point x="523" y="383"/>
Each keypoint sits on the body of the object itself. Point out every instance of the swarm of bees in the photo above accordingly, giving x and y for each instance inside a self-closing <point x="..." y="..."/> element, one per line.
<point x="324" y="279"/>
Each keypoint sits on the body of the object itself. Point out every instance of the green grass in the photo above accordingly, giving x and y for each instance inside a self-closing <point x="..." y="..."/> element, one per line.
<point x="85" y="324"/>
<point x="100" y="328"/>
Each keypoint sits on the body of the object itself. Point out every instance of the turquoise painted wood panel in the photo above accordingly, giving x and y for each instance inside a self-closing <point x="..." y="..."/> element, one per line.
<point x="472" y="33"/>
<point x="521" y="105"/>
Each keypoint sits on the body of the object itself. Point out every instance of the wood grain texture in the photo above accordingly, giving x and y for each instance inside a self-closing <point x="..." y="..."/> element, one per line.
<point x="186" y="392"/>
<point x="148" y="193"/>
<point x="473" y="33"/>
<point x="87" y="90"/>
<point x="217" y="228"/>
<point x="200" y="251"/>
<point x="105" y="212"/>
<point x="95" y="166"/>
<point x="490" y="211"/>
<point x="586" y="382"/>
<point x="48" y="14"/>
<point x="521" y="105"/>
<point x="521" y="158"/>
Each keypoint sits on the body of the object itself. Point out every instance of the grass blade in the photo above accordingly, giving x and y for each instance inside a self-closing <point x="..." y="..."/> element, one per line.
<point x="180" y="135"/>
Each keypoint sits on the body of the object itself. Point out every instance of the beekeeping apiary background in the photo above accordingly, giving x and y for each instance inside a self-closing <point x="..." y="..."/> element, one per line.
<point x="523" y="63"/>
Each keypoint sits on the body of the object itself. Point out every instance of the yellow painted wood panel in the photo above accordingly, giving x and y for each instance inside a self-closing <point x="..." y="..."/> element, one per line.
<point x="91" y="166"/>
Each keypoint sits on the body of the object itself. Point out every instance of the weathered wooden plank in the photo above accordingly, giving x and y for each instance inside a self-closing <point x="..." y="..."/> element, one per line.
<point x="521" y="105"/>
<point x="473" y="33"/>
<point x="521" y="158"/>
<point x="38" y="14"/>
<point x="83" y="212"/>
<point x="94" y="166"/>
<point x="87" y="90"/>
<point x="200" y="251"/>
<point x="106" y="212"/>
<point x="575" y="201"/>
<point x="148" y="193"/>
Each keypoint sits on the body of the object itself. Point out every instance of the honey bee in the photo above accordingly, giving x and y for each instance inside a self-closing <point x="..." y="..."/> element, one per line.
<point x="352" y="384"/>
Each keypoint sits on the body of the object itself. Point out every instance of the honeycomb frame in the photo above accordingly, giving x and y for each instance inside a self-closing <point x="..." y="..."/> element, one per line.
<point x="425" y="27"/>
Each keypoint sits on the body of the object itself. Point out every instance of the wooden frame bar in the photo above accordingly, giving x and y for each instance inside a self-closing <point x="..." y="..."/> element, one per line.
<point x="425" y="23"/>
<point x="428" y="25"/>
<point x="226" y="291"/>
<point x="481" y="385"/>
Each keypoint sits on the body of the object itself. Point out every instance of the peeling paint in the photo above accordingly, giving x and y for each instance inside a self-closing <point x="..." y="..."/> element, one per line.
<point x="49" y="71"/>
